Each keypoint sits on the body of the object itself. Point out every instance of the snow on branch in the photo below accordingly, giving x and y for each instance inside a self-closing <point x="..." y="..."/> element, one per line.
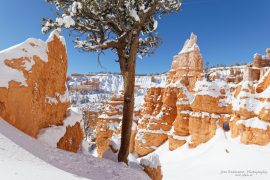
<point x="102" y="24"/>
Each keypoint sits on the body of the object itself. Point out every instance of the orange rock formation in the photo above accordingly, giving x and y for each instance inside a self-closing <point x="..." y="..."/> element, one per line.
<point x="35" y="95"/>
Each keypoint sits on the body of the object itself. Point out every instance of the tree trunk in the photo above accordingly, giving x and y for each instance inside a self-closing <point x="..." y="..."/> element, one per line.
<point x="129" y="85"/>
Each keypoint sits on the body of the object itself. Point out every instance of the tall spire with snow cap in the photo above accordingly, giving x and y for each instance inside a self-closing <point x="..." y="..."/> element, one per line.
<point x="190" y="44"/>
<point x="187" y="66"/>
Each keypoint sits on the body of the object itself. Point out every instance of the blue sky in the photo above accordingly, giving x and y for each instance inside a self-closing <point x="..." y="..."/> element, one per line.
<point x="229" y="31"/>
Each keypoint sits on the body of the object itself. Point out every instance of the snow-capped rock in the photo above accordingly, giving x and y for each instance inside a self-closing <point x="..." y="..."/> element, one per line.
<point x="187" y="66"/>
<point x="33" y="93"/>
<point x="152" y="166"/>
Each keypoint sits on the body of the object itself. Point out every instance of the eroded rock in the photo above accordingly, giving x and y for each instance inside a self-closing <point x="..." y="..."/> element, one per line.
<point x="33" y="92"/>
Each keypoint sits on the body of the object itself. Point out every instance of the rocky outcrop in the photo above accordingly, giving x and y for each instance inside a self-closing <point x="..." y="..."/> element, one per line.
<point x="72" y="139"/>
<point x="264" y="82"/>
<point x="254" y="71"/>
<point x="153" y="173"/>
<point x="212" y="97"/>
<point x="108" y="123"/>
<point x="235" y="76"/>
<point x="202" y="127"/>
<point x="251" y="112"/>
<point x="262" y="61"/>
<point x="33" y="94"/>
<point x="187" y="66"/>
<point x="162" y="107"/>
<point x="157" y="118"/>
<point x="231" y="74"/>
<point x="151" y="165"/>
<point x="197" y="121"/>
<point x="251" y="131"/>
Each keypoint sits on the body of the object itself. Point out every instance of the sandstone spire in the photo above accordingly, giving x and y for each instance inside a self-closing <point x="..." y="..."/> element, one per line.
<point x="190" y="45"/>
<point x="187" y="66"/>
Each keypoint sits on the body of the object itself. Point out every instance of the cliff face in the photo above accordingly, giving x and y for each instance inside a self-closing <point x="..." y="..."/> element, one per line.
<point x="33" y="94"/>
<point x="157" y="118"/>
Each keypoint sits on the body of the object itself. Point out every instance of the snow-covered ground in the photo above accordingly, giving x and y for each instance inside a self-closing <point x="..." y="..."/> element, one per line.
<point x="53" y="134"/>
<point x="221" y="158"/>
<point x="24" y="158"/>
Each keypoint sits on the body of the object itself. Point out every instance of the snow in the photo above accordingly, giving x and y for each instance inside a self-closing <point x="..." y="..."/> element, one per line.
<point x="211" y="161"/>
<point x="159" y="115"/>
<point x="59" y="21"/>
<point x="155" y="25"/>
<point x="213" y="89"/>
<point x="134" y="14"/>
<point x="24" y="158"/>
<point x="108" y="154"/>
<point x="190" y="45"/>
<point x="181" y="138"/>
<point x="159" y="131"/>
<point x="46" y="27"/>
<point x="56" y="33"/>
<point x="26" y="50"/>
<point x="18" y="163"/>
<point x="76" y="6"/>
<point x="257" y="56"/>
<point x="263" y="78"/>
<point x="251" y="102"/>
<point x="116" y="141"/>
<point x="210" y="88"/>
<point x="185" y="112"/>
<point x="28" y="64"/>
<point x="151" y="160"/>
<point x="200" y="114"/>
<point x="132" y="159"/>
<point x="66" y="20"/>
<point x="52" y="135"/>
<point x="134" y="126"/>
<point x="254" y="123"/>
<point x="105" y="116"/>
<point x="51" y="100"/>
<point x="113" y="125"/>
<point x="63" y="98"/>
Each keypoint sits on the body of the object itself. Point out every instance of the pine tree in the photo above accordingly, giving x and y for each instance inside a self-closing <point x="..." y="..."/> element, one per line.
<point x="128" y="27"/>
<point x="206" y="70"/>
